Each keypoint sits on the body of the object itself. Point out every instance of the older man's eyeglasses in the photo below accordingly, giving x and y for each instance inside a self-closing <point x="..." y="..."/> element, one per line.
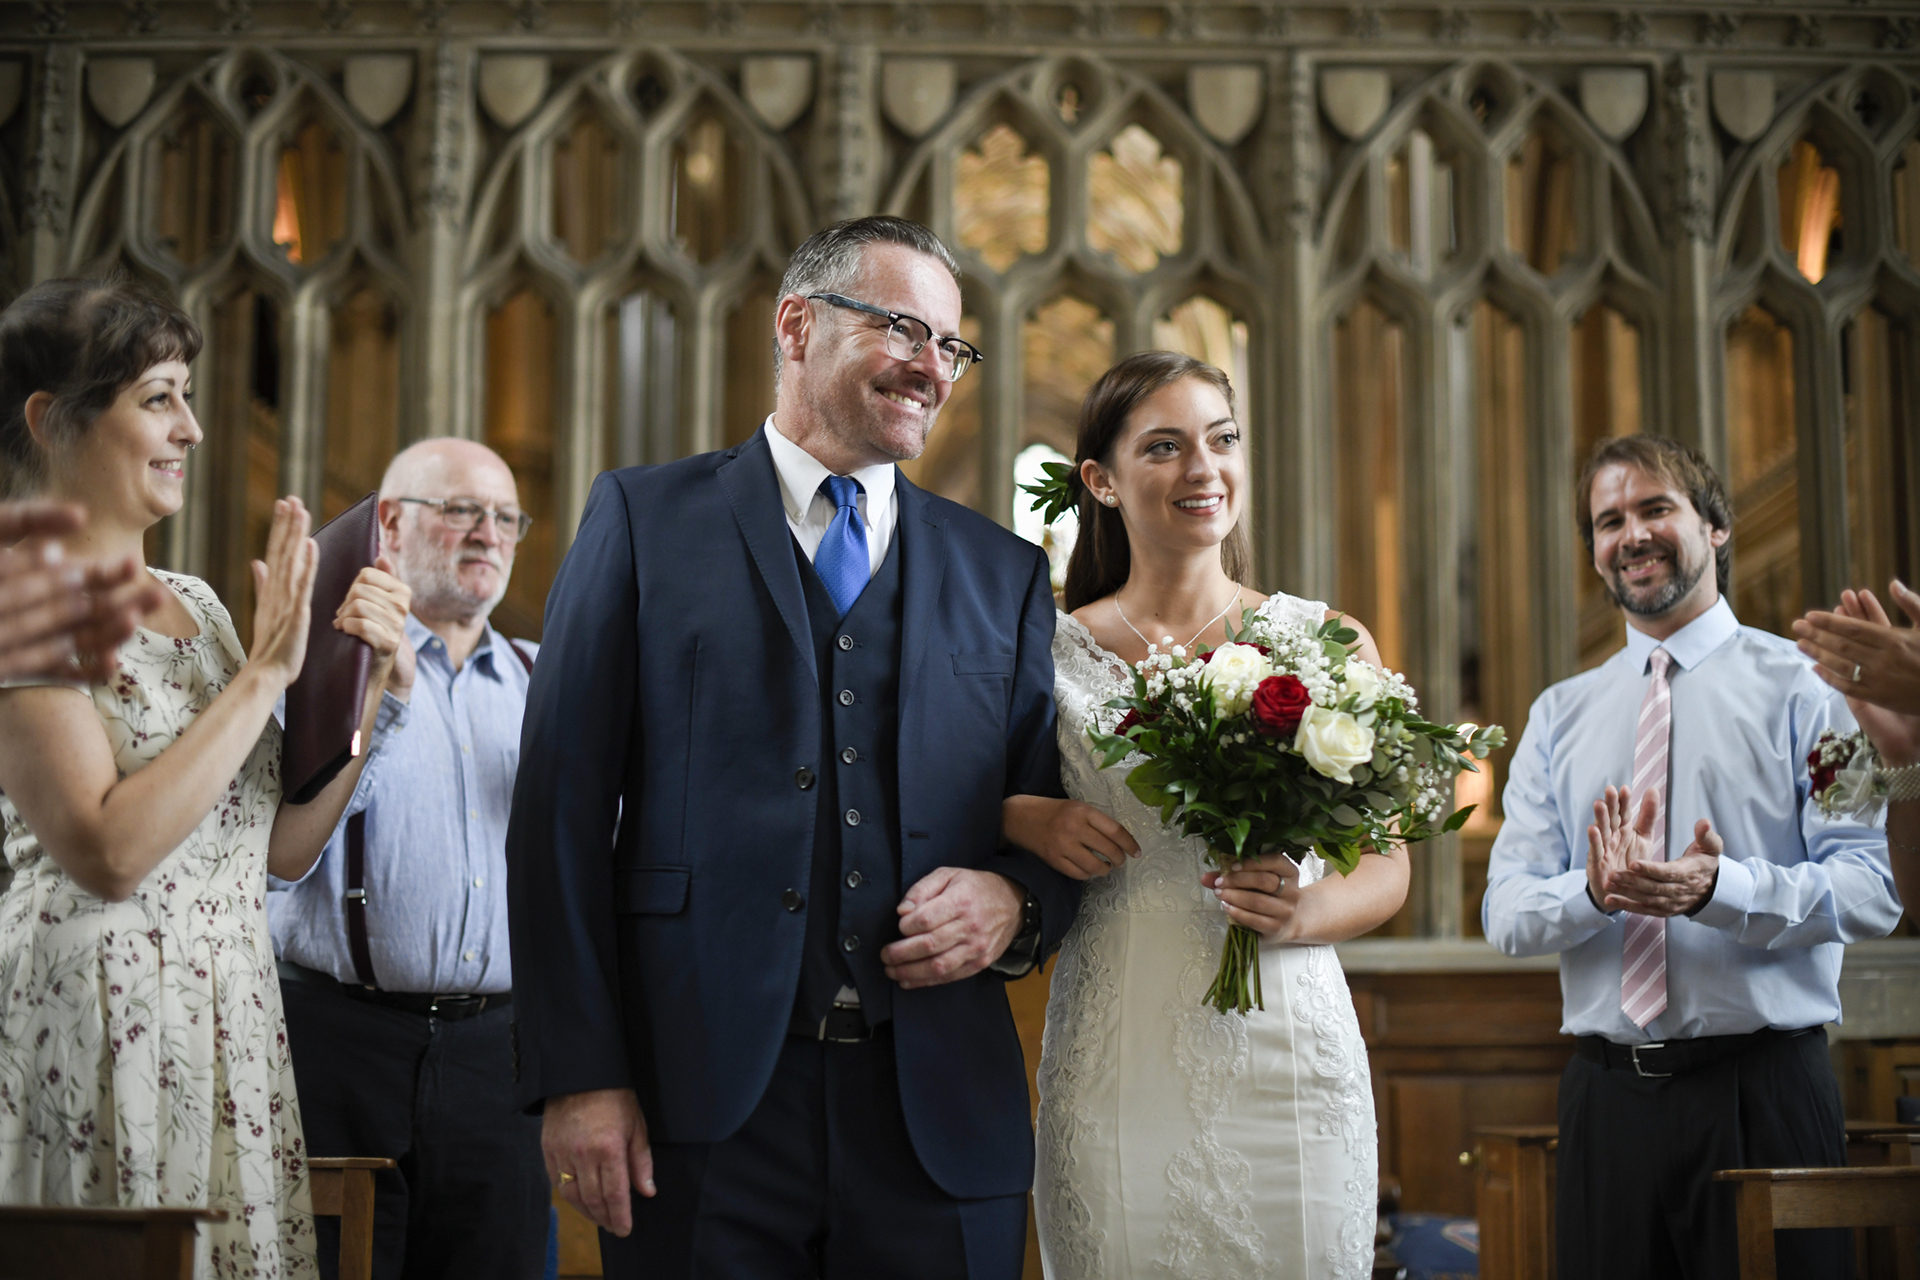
<point x="908" y="336"/>
<point x="463" y="516"/>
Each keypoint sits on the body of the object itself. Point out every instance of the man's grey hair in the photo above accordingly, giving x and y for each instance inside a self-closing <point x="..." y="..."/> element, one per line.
<point x="830" y="260"/>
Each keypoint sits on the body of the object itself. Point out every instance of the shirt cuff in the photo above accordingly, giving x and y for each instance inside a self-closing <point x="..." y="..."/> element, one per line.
<point x="1018" y="960"/>
<point x="390" y="719"/>
<point x="1732" y="896"/>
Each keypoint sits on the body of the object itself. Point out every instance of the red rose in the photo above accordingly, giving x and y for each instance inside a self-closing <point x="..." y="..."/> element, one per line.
<point x="1278" y="704"/>
<point x="1130" y="720"/>
<point x="1821" y="775"/>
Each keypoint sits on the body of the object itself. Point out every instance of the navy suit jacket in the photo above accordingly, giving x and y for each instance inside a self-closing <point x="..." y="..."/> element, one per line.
<point x="658" y="820"/>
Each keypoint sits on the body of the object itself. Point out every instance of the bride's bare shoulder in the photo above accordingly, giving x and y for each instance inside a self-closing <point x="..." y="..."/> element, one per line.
<point x="1368" y="649"/>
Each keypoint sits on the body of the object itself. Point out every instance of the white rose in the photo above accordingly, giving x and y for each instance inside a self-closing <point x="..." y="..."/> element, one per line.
<point x="1232" y="674"/>
<point x="1333" y="743"/>
<point x="1361" y="679"/>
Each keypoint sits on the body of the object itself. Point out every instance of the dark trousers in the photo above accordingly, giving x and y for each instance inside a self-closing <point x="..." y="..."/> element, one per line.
<point x="470" y="1196"/>
<point x="1636" y="1196"/>
<point x="821" y="1181"/>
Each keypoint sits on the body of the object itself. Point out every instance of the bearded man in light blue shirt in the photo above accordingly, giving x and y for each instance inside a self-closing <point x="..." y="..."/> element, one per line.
<point x="1660" y="836"/>
<point x="394" y="960"/>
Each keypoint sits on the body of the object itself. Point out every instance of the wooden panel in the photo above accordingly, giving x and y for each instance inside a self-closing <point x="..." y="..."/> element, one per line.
<point x="1429" y="1135"/>
<point x="1452" y="1053"/>
<point x="55" y="1242"/>
<point x="1513" y="1201"/>
<point x="1874" y="1073"/>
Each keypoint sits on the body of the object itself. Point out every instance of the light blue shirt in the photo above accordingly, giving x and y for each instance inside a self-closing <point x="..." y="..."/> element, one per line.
<point x="1793" y="887"/>
<point x="436" y="791"/>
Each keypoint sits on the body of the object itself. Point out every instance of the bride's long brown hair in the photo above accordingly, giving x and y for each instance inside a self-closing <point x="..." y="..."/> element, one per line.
<point x="1102" y="557"/>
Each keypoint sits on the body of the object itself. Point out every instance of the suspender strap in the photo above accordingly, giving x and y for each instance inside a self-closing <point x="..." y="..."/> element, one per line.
<point x="357" y="898"/>
<point x="526" y="660"/>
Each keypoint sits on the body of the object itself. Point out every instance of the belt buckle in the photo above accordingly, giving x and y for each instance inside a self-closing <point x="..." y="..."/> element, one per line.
<point x="862" y="1033"/>
<point x="1642" y="1072"/>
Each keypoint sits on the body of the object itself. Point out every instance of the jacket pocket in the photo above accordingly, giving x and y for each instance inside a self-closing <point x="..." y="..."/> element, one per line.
<point x="651" y="891"/>
<point x="983" y="664"/>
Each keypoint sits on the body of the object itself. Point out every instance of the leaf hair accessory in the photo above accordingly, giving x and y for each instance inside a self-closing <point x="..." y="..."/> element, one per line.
<point x="1056" y="495"/>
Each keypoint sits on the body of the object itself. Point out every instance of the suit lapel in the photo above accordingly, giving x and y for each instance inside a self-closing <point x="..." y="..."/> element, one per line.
<point x="923" y="565"/>
<point x="753" y="491"/>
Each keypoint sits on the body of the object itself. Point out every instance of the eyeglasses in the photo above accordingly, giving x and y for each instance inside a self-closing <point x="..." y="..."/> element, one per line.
<point x="463" y="516"/>
<point x="908" y="336"/>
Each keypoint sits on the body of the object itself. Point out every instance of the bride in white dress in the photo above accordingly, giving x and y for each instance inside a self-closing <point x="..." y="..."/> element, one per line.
<point x="1174" y="1140"/>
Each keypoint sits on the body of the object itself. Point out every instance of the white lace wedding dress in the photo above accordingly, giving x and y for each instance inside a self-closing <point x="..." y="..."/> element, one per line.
<point x="1173" y="1140"/>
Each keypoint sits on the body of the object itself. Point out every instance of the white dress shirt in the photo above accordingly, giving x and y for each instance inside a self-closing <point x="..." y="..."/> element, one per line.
<point x="809" y="511"/>
<point x="1793" y="887"/>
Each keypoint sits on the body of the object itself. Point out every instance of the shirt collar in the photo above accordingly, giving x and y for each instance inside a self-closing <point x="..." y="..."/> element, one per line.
<point x="419" y="635"/>
<point x="1690" y="645"/>
<point x="801" y="475"/>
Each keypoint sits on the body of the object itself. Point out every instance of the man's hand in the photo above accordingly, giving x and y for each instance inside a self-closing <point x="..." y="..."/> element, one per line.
<point x="1614" y="840"/>
<point x="1671" y="888"/>
<point x="1860" y="638"/>
<point x="956" y="922"/>
<point x="595" y="1145"/>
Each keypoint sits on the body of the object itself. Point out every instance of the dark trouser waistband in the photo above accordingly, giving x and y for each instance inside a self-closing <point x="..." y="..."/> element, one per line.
<point x="1673" y="1057"/>
<point x="448" y="1008"/>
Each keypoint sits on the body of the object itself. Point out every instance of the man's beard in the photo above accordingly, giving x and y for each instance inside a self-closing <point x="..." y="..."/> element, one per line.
<point x="1662" y="598"/>
<point x="435" y="579"/>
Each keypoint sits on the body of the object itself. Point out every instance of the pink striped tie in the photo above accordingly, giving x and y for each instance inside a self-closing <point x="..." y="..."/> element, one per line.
<point x="1643" y="957"/>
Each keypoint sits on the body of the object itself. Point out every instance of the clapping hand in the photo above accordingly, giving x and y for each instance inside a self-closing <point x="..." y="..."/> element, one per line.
<point x="1861" y="653"/>
<point x="57" y="617"/>
<point x="283" y="593"/>
<point x="1621" y="878"/>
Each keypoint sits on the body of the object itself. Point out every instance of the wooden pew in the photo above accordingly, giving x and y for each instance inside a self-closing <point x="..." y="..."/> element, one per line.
<point x="343" y="1188"/>
<point x="1781" y="1199"/>
<point x="58" y="1242"/>
<point x="1513" y="1200"/>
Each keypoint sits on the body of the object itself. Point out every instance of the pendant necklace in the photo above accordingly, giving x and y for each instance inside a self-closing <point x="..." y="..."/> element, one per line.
<point x="1196" y="635"/>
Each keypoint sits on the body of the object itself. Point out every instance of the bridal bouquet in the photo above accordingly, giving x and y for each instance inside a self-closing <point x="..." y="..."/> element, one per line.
<point x="1282" y="739"/>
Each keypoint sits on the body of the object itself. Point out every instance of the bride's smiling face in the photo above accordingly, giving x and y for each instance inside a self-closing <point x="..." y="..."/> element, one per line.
<point x="1178" y="468"/>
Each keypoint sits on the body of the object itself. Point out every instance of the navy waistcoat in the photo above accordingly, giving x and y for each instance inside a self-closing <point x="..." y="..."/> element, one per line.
<point x="854" y="880"/>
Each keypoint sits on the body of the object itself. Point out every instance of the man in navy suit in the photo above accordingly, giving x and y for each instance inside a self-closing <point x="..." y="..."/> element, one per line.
<point x="762" y="914"/>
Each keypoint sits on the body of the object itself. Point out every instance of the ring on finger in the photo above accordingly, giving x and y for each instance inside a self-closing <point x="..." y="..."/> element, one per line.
<point x="567" y="1177"/>
<point x="1856" y="673"/>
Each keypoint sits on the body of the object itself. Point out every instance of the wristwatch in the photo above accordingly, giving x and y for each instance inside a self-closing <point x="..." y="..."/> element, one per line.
<point x="1023" y="953"/>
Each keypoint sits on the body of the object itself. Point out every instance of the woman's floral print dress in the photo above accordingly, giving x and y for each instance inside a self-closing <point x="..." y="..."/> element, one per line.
<point x="143" y="1056"/>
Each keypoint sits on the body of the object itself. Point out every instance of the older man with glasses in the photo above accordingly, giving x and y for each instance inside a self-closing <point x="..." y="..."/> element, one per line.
<point x="393" y="950"/>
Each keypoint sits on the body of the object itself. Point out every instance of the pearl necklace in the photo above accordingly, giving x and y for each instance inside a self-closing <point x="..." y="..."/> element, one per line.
<point x="1168" y="640"/>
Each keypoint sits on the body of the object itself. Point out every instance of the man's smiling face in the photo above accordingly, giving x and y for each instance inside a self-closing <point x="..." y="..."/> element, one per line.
<point x="1652" y="548"/>
<point x="880" y="407"/>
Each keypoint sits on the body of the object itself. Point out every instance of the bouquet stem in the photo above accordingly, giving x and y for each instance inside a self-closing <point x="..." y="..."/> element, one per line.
<point x="1236" y="987"/>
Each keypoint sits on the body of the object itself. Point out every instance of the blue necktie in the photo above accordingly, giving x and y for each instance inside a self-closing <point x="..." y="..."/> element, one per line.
<point x="842" y="561"/>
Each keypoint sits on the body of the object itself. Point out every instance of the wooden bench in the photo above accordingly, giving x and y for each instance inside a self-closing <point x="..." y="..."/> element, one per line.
<point x="342" y="1188"/>
<point x="1513" y="1200"/>
<point x="59" y="1242"/>
<point x="1782" y="1199"/>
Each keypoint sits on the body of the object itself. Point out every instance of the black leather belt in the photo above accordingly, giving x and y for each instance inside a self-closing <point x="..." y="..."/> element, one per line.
<point x="844" y="1024"/>
<point x="448" y="1008"/>
<point x="1676" y="1057"/>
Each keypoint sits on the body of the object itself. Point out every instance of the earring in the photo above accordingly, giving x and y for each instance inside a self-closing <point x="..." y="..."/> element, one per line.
<point x="1111" y="500"/>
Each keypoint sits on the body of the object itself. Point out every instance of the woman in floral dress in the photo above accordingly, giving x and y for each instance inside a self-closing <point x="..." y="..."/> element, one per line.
<point x="143" y="1060"/>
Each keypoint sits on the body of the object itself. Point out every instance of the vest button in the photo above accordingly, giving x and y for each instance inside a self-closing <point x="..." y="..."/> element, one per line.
<point x="850" y="943"/>
<point x="792" y="900"/>
<point x="848" y="755"/>
<point x="845" y="643"/>
<point x="803" y="778"/>
<point x="853" y="879"/>
<point x="853" y="817"/>
<point x="846" y="697"/>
